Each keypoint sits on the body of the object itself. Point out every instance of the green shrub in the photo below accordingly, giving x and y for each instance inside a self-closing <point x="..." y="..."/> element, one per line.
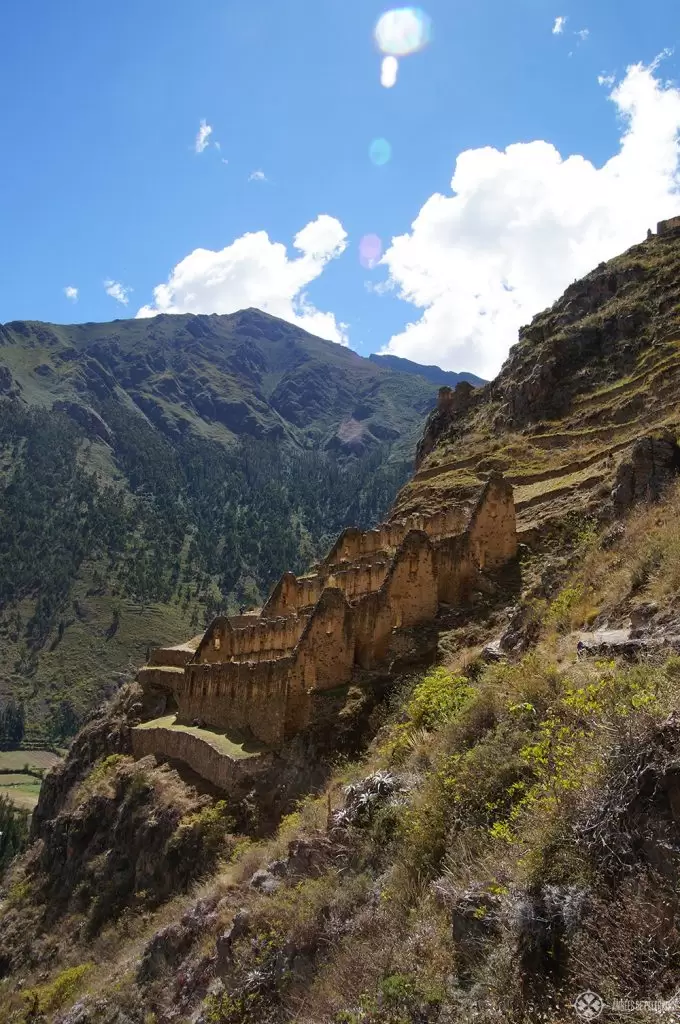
<point x="438" y="698"/>
<point x="53" y="995"/>
<point x="204" y="832"/>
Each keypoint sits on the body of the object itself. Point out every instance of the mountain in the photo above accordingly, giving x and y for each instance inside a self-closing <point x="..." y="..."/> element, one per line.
<point x="156" y="470"/>
<point x="431" y="373"/>
<point x="488" y="833"/>
<point x="589" y="378"/>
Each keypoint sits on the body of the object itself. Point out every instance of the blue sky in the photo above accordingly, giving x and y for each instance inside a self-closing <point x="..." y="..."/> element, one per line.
<point x="101" y="180"/>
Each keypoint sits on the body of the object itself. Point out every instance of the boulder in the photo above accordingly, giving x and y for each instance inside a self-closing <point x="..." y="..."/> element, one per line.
<point x="653" y="465"/>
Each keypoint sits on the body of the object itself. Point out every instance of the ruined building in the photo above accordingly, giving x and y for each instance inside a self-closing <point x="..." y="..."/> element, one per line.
<point x="257" y="674"/>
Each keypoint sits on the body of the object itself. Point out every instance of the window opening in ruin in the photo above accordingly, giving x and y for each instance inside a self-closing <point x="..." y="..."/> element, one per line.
<point x="216" y="643"/>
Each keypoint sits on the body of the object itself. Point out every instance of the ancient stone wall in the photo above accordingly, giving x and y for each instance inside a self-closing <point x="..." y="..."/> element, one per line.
<point x="258" y="640"/>
<point x="234" y="776"/>
<point x="492" y="531"/>
<point x="354" y="545"/>
<point x="664" y="226"/>
<point x="325" y="655"/>
<point x="166" y="678"/>
<point x="244" y="696"/>
<point x="177" y="656"/>
<point x="456" y="568"/>
<point x="291" y="595"/>
<point x="408" y="596"/>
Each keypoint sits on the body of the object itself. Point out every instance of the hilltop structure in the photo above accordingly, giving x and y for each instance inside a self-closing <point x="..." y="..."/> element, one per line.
<point x="257" y="674"/>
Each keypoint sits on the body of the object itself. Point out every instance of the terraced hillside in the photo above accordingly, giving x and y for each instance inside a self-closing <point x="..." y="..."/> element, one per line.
<point x="587" y="379"/>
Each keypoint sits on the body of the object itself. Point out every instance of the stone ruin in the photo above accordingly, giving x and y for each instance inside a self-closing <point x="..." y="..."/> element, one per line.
<point x="257" y="675"/>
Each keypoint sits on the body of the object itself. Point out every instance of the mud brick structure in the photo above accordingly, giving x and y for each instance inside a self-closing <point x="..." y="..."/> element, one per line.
<point x="256" y="674"/>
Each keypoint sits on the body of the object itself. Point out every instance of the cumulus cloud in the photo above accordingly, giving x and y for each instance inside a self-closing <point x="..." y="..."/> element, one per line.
<point x="583" y="34"/>
<point x="71" y="293"/>
<point x="117" y="291"/>
<point x="203" y="136"/>
<point x="255" y="271"/>
<point x="525" y="222"/>
<point x="257" y="176"/>
<point x="558" y="27"/>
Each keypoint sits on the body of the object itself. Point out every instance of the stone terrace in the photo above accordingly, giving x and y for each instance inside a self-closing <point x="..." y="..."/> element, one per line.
<point x="256" y="675"/>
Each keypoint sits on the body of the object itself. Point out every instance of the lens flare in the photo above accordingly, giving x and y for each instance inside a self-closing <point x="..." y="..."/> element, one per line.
<point x="380" y="152"/>
<point x="403" y="30"/>
<point x="370" y="251"/>
<point x="389" y="69"/>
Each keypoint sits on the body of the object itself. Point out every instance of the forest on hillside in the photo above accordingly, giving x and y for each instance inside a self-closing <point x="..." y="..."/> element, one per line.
<point x="195" y="523"/>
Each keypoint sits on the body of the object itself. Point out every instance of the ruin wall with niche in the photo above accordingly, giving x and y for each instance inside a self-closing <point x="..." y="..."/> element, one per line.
<point x="353" y="544"/>
<point x="245" y="696"/>
<point x="407" y="597"/>
<point x="261" y="639"/>
<point x="492" y="530"/>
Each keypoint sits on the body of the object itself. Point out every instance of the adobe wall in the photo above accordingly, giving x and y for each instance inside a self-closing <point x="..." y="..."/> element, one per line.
<point x="176" y="656"/>
<point x="258" y="640"/>
<point x="230" y="774"/>
<point x="456" y="568"/>
<point x="239" y="695"/>
<point x="169" y="679"/>
<point x="291" y="595"/>
<point x="325" y="656"/>
<point x="492" y="531"/>
<point x="664" y="226"/>
<point x="407" y="597"/>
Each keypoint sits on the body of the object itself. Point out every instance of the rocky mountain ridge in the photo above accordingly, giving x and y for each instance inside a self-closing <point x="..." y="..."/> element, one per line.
<point x="586" y="380"/>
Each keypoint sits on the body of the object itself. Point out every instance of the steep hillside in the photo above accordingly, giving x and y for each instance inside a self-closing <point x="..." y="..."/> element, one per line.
<point x="487" y="827"/>
<point x="587" y="378"/>
<point x="154" y="471"/>
<point x="509" y="840"/>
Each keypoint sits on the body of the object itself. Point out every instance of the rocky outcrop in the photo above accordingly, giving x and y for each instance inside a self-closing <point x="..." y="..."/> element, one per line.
<point x="9" y="387"/>
<point x="654" y="463"/>
<point x="108" y="732"/>
<point x="91" y="422"/>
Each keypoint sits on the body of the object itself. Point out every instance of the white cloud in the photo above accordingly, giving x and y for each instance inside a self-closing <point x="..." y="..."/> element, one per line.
<point x="607" y="80"/>
<point x="524" y="223"/>
<point x="558" y="27"/>
<point x="71" y="293"/>
<point x="257" y="176"/>
<point x="203" y="136"/>
<point x="117" y="291"/>
<point x="254" y="271"/>
<point x="583" y="34"/>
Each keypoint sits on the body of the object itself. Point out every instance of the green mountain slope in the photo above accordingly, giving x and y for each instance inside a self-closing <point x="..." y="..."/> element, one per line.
<point x="155" y="471"/>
